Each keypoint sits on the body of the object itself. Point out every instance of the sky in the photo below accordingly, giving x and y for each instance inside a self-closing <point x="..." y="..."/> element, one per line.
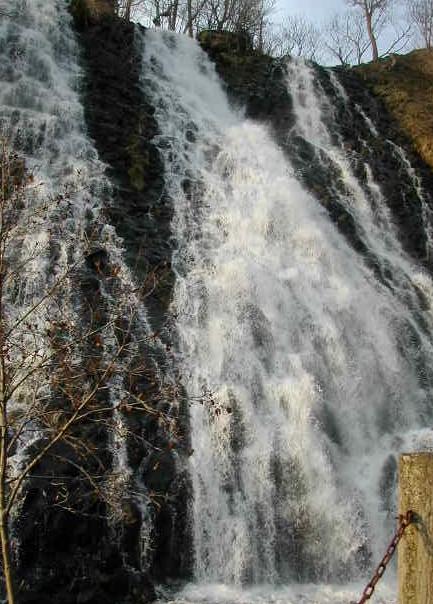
<point x="315" y="10"/>
<point x="319" y="11"/>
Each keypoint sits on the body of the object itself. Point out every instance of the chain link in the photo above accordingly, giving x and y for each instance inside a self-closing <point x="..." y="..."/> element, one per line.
<point x="404" y="521"/>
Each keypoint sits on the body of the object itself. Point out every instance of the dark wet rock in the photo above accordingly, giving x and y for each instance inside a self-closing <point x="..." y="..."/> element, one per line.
<point x="98" y="259"/>
<point x="74" y="555"/>
<point x="121" y="122"/>
<point x="387" y="169"/>
<point x="388" y="484"/>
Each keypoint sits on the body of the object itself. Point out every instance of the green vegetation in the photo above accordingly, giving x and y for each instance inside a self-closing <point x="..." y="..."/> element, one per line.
<point x="405" y="84"/>
<point x="139" y="163"/>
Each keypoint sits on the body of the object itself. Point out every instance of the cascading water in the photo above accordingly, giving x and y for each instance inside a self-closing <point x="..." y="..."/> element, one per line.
<point x="426" y="212"/>
<point x="306" y="373"/>
<point x="417" y="185"/>
<point x="42" y="119"/>
<point x="373" y="220"/>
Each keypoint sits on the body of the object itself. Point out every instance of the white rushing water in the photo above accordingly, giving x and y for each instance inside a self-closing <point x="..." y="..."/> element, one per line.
<point x="313" y="111"/>
<point x="398" y="151"/>
<point x="42" y="120"/>
<point x="426" y="211"/>
<point x="306" y="375"/>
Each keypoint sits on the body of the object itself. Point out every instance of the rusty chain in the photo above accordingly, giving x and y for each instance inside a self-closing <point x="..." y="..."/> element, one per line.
<point x="404" y="520"/>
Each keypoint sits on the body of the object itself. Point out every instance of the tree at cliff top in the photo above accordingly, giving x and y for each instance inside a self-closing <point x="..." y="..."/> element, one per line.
<point x="57" y="369"/>
<point x="191" y="16"/>
<point x="345" y="38"/>
<point x="348" y="36"/>
<point x="297" y="37"/>
<point x="377" y="15"/>
<point x="374" y="12"/>
<point x="421" y="12"/>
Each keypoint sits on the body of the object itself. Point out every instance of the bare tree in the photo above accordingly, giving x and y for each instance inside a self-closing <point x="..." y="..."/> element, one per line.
<point x="174" y="15"/>
<point x="253" y="19"/>
<point x="421" y="13"/>
<point x="345" y="38"/>
<point x="250" y="17"/>
<point x="125" y="9"/>
<point x="377" y="16"/>
<point x="234" y="15"/>
<point x="401" y="40"/>
<point x="149" y="11"/>
<point x="38" y="346"/>
<point x="56" y="367"/>
<point x="297" y="37"/>
<point x="374" y="12"/>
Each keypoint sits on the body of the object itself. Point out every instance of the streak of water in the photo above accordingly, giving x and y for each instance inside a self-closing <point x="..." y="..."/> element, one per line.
<point x="42" y="118"/>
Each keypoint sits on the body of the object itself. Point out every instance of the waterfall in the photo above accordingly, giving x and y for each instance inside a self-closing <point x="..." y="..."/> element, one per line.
<point x="304" y="346"/>
<point x="306" y="372"/>
<point x="42" y="119"/>
<point x="373" y="220"/>
<point x="426" y="211"/>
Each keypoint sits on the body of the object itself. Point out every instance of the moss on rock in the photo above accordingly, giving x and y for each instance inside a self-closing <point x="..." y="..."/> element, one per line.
<point x="405" y="84"/>
<point x="139" y="163"/>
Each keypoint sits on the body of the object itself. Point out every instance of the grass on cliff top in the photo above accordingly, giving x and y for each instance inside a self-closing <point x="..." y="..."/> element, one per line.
<point x="405" y="83"/>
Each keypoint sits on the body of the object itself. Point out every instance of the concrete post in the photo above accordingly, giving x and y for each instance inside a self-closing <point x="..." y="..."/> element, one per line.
<point x="415" y="552"/>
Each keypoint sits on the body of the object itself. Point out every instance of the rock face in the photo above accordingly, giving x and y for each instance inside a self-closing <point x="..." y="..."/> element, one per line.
<point x="80" y="540"/>
<point x="121" y="123"/>
<point x="120" y="120"/>
<point x="396" y="184"/>
<point x="216" y="42"/>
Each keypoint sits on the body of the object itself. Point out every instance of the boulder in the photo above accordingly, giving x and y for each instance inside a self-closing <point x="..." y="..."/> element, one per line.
<point x="216" y="42"/>
<point x="91" y="11"/>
